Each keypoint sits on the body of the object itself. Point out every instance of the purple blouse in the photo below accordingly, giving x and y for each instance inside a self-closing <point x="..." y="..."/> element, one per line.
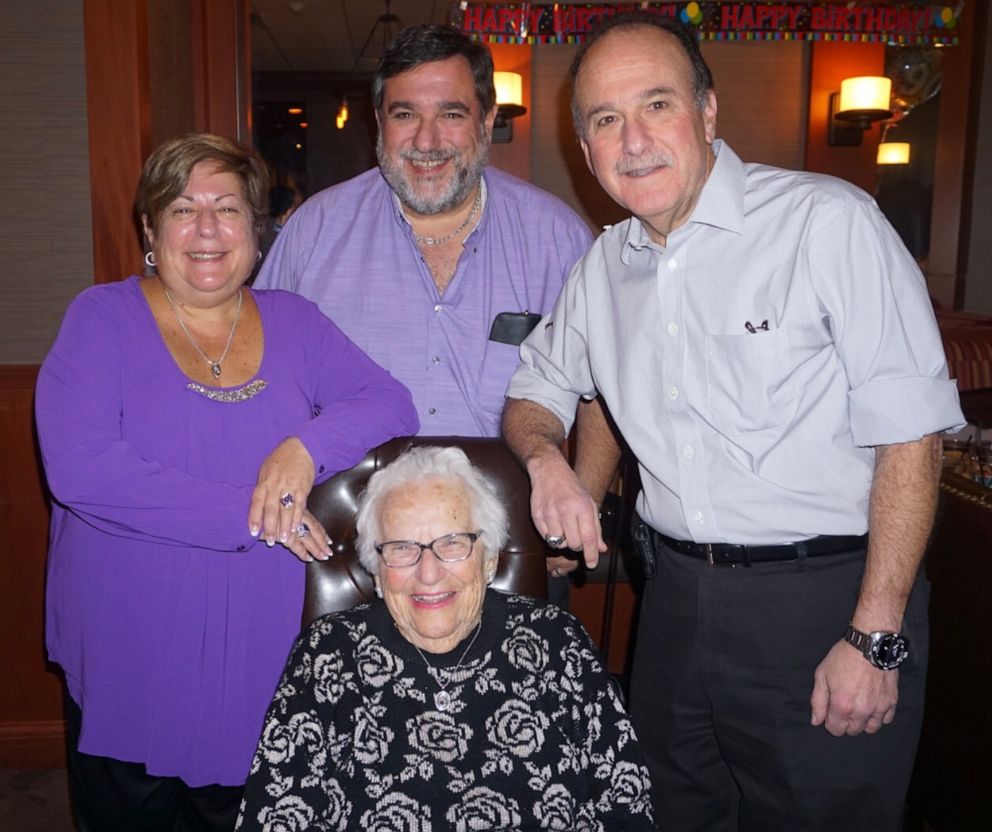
<point x="170" y="621"/>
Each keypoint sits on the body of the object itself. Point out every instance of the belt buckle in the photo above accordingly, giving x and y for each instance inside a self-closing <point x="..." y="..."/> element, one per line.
<point x="709" y="554"/>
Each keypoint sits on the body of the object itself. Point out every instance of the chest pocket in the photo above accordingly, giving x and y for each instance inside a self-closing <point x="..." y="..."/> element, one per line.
<point x="747" y="381"/>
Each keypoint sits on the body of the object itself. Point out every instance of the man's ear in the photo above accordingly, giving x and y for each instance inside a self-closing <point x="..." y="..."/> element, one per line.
<point x="709" y="117"/>
<point x="489" y="121"/>
<point x="585" y="152"/>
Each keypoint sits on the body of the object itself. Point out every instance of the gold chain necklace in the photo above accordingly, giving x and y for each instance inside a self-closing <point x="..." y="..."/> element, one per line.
<point x="214" y="365"/>
<point x="436" y="241"/>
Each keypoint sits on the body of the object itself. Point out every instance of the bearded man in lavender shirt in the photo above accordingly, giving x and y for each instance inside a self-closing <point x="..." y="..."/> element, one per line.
<point x="417" y="260"/>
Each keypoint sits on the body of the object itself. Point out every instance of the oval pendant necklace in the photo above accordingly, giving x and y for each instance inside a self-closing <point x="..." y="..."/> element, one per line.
<point x="442" y="699"/>
<point x="214" y="365"/>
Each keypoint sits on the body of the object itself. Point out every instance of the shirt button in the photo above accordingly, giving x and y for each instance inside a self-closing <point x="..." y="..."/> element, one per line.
<point x="673" y="328"/>
<point x="698" y="517"/>
<point x="688" y="452"/>
<point x="673" y="392"/>
<point x="438" y="307"/>
<point x="436" y="359"/>
<point x="242" y="548"/>
<point x="431" y="411"/>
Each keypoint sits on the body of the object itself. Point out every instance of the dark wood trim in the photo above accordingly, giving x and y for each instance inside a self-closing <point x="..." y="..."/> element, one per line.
<point x="18" y="376"/>
<point x="31" y="732"/>
<point x="954" y="165"/>
<point x="32" y="744"/>
<point x="117" y="95"/>
<point x="221" y="35"/>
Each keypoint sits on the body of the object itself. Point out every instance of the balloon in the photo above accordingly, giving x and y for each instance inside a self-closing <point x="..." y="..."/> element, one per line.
<point x="915" y="74"/>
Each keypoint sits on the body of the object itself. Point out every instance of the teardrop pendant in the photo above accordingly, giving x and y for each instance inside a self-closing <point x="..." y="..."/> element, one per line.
<point x="442" y="700"/>
<point x="215" y="370"/>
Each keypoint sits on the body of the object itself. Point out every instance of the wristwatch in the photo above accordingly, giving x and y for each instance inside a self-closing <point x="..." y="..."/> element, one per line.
<point x="884" y="650"/>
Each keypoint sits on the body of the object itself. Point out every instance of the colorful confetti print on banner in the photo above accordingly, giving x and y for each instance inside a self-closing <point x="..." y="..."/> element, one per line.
<point x="864" y="21"/>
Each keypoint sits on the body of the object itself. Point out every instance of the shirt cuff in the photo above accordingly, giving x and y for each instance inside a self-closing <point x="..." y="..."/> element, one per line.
<point x="903" y="410"/>
<point x="525" y="384"/>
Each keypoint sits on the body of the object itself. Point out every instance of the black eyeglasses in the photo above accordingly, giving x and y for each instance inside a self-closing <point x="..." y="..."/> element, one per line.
<point x="449" y="548"/>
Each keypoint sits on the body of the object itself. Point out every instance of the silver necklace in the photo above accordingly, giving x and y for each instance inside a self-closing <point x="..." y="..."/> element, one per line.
<point x="214" y="365"/>
<point x="436" y="241"/>
<point x="442" y="699"/>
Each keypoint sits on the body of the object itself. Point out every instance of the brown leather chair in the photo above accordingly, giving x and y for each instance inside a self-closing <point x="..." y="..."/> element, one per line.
<point x="340" y="583"/>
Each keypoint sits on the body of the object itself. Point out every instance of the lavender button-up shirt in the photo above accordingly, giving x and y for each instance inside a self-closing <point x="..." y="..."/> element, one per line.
<point x="350" y="250"/>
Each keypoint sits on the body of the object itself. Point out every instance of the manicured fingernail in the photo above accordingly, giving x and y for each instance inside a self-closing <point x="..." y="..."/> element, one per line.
<point x="253" y="531"/>
<point x="270" y="542"/>
<point x="284" y="537"/>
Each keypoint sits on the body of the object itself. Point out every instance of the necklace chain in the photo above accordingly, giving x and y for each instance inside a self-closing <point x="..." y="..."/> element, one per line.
<point x="214" y="365"/>
<point x="442" y="699"/>
<point x="436" y="241"/>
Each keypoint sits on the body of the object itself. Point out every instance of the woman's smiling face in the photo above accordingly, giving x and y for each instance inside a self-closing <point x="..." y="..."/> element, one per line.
<point x="434" y="604"/>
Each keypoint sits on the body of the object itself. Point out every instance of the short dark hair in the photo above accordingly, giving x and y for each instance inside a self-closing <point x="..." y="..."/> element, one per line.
<point x="424" y="43"/>
<point x="702" y="78"/>
<point x="167" y="171"/>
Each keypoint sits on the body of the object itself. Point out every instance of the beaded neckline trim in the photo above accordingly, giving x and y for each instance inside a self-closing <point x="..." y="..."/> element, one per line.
<point x="238" y="394"/>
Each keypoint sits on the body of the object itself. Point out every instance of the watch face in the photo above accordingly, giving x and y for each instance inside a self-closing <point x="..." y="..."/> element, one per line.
<point x="889" y="650"/>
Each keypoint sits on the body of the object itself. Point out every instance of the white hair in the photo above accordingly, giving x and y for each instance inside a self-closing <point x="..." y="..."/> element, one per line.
<point x="427" y="463"/>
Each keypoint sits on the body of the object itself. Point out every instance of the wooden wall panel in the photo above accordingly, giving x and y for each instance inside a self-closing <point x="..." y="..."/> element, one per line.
<point x="221" y="47"/>
<point x="953" y="166"/>
<point x="31" y="728"/>
<point x="117" y="81"/>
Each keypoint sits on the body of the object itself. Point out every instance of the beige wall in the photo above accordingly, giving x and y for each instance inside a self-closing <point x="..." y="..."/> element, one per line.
<point x="46" y="250"/>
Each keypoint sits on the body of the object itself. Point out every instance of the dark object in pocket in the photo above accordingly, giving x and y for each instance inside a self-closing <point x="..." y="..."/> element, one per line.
<point x="513" y="327"/>
<point x="643" y="547"/>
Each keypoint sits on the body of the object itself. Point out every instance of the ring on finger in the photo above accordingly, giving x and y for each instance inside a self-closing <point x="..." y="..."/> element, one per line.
<point x="302" y="530"/>
<point x="286" y="500"/>
<point x="554" y="540"/>
<point x="556" y="572"/>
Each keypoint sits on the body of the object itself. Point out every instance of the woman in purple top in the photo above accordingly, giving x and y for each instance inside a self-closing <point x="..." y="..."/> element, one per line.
<point x="183" y="420"/>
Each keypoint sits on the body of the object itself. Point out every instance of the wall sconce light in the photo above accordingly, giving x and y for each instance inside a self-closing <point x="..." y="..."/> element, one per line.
<point x="509" y="104"/>
<point x="861" y="102"/>
<point x="342" y="116"/>
<point x="893" y="153"/>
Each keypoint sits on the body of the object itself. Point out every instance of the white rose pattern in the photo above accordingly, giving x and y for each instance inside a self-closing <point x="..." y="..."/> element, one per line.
<point x="539" y="739"/>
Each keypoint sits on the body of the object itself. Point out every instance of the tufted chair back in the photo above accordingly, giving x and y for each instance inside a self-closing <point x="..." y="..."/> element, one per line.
<point x="340" y="583"/>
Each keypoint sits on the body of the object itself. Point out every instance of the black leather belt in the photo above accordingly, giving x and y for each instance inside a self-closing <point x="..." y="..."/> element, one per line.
<point x="732" y="554"/>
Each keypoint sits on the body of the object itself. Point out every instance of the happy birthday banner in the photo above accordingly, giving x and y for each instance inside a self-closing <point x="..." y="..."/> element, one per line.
<point x="855" y="22"/>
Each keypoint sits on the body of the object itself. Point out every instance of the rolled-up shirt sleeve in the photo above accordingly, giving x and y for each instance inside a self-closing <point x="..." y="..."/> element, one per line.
<point x="875" y="301"/>
<point x="554" y="369"/>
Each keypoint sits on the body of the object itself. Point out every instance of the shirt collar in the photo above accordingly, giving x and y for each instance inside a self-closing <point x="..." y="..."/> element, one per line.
<point x="721" y="203"/>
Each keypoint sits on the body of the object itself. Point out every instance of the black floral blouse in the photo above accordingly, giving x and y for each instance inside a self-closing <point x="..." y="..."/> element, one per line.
<point x="534" y="737"/>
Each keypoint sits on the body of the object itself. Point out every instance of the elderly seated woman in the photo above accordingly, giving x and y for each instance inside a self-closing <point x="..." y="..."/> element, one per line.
<point x="450" y="705"/>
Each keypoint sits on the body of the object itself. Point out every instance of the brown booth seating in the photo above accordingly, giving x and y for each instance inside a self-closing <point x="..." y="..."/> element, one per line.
<point x="341" y="583"/>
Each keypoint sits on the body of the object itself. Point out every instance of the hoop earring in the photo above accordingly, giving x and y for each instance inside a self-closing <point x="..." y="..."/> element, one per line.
<point x="150" y="259"/>
<point x="258" y="256"/>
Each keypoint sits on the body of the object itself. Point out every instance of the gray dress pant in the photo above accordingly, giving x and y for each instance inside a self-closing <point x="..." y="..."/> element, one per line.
<point x="720" y="689"/>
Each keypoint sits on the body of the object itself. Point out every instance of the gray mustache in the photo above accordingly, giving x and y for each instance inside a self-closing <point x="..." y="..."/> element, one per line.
<point x="640" y="163"/>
